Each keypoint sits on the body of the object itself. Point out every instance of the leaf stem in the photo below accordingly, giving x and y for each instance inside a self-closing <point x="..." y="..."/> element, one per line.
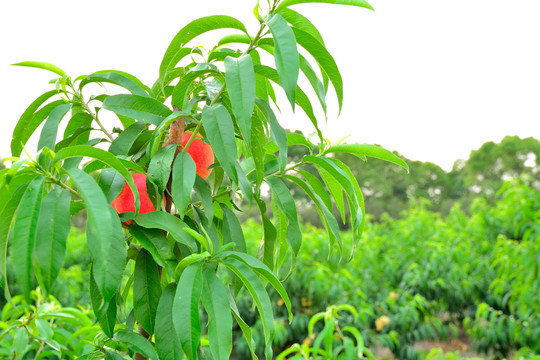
<point x="94" y="116"/>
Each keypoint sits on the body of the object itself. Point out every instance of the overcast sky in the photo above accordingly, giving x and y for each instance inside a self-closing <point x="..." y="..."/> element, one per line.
<point x="431" y="79"/>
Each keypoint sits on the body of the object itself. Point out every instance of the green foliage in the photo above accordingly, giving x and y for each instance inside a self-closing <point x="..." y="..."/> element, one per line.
<point x="46" y="330"/>
<point x="425" y="277"/>
<point x="181" y="234"/>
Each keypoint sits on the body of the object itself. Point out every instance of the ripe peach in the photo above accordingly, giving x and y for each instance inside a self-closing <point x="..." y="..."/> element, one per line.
<point x="125" y="202"/>
<point x="201" y="153"/>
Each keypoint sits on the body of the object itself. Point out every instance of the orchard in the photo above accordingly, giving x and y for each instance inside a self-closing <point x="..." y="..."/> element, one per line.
<point x="162" y="190"/>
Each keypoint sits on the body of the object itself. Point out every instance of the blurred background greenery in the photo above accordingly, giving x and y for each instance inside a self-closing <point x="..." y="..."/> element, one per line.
<point x="447" y="267"/>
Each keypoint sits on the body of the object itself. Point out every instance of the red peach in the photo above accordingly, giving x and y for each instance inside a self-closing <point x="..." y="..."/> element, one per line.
<point x="125" y="202"/>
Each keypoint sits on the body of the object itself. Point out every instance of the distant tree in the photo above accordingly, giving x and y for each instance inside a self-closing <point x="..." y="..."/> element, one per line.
<point x="492" y="164"/>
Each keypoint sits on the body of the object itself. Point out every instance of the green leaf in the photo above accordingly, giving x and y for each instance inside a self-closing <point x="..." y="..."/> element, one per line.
<point x="246" y="330"/>
<point x="257" y="291"/>
<point x="20" y="341"/>
<point x="360" y="3"/>
<point x="188" y="260"/>
<point x="240" y="80"/>
<point x="325" y="212"/>
<point x="192" y="30"/>
<point x="300" y="97"/>
<point x="31" y="119"/>
<point x="110" y="356"/>
<point x="42" y="65"/>
<point x="52" y="232"/>
<point x="137" y="107"/>
<point x="159" y="169"/>
<point x="180" y="94"/>
<point x="154" y="143"/>
<point x="146" y="290"/>
<point x="258" y="149"/>
<point x="285" y="54"/>
<point x="186" y="309"/>
<point x="335" y="189"/>
<point x="286" y="204"/>
<point x="314" y="80"/>
<point x="323" y="58"/>
<point x="205" y="195"/>
<point x="167" y="345"/>
<point x="7" y="212"/>
<point x="299" y="21"/>
<point x="24" y="234"/>
<point x="50" y="128"/>
<point x="125" y="140"/>
<point x="232" y="230"/>
<point x="368" y="150"/>
<point x="137" y="343"/>
<point x="269" y="237"/>
<point x="44" y="329"/>
<point x="263" y="270"/>
<point x="104" y="235"/>
<point x="169" y="223"/>
<point x="105" y="312"/>
<point x="154" y="241"/>
<point x="217" y="307"/>
<point x="128" y="82"/>
<point x="103" y="156"/>
<point x="277" y="133"/>
<point x="219" y="129"/>
<point x="183" y="179"/>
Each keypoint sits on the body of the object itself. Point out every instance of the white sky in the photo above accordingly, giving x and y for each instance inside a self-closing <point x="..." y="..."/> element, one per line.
<point x="432" y="79"/>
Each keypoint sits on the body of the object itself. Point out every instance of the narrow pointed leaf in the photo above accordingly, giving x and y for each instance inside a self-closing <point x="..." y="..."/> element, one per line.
<point x="219" y="129"/>
<point x="146" y="290"/>
<point x="105" y="312"/>
<point x="24" y="234"/>
<point x="300" y="96"/>
<point x="42" y="65"/>
<point x="185" y="313"/>
<point x="137" y="343"/>
<point x="285" y="54"/>
<point x="192" y="30"/>
<point x="217" y="307"/>
<point x="232" y="230"/>
<point x="159" y="169"/>
<point x="52" y="232"/>
<point x="30" y="121"/>
<point x="154" y="241"/>
<point x="104" y="235"/>
<point x="277" y="133"/>
<point x="286" y="204"/>
<point x="360" y="3"/>
<point x="168" y="222"/>
<point x="325" y="60"/>
<point x="7" y="213"/>
<point x="183" y="179"/>
<point x="117" y="78"/>
<point x="125" y="140"/>
<point x="263" y="270"/>
<point x="299" y="21"/>
<point x="257" y="291"/>
<point x="140" y="108"/>
<point x="325" y="213"/>
<point x="240" y="80"/>
<point x="368" y="150"/>
<point x="50" y="128"/>
<point x="167" y="345"/>
<point x="205" y="195"/>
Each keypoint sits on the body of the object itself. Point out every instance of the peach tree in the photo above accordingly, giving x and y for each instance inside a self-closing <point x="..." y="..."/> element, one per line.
<point x="170" y="251"/>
